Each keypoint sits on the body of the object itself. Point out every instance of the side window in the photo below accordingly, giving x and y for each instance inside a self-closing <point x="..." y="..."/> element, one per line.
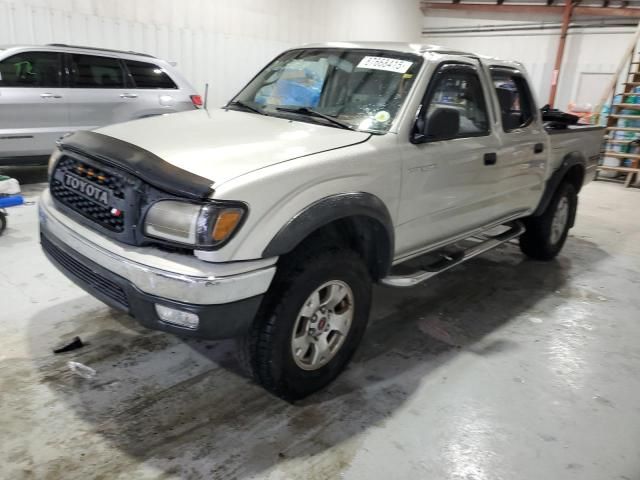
<point x="456" y="107"/>
<point x="89" y="71"/>
<point x="514" y="98"/>
<point x="148" y="75"/>
<point x="31" y="69"/>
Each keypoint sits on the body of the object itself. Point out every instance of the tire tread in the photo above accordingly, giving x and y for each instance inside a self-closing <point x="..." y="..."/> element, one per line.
<point x="535" y="242"/>
<point x="261" y="342"/>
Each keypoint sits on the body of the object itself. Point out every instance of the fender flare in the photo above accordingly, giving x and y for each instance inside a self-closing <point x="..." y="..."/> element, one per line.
<point x="327" y="210"/>
<point x="569" y="161"/>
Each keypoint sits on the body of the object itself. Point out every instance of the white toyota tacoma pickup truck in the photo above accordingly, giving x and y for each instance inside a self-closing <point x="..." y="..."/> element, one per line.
<point x="270" y="219"/>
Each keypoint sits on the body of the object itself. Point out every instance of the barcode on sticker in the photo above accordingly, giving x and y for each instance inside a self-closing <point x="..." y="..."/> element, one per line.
<point x="384" y="63"/>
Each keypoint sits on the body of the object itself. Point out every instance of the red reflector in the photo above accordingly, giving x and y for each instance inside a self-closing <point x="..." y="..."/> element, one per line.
<point x="196" y="100"/>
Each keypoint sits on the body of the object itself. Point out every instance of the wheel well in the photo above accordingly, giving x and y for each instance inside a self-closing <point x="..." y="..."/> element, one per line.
<point x="572" y="171"/>
<point x="364" y="235"/>
<point x="575" y="176"/>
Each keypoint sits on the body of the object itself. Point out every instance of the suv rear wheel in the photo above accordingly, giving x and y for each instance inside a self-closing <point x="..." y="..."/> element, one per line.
<point x="546" y="234"/>
<point x="311" y="323"/>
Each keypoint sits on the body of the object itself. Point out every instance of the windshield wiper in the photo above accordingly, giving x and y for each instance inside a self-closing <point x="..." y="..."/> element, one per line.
<point x="246" y="106"/>
<point x="314" y="113"/>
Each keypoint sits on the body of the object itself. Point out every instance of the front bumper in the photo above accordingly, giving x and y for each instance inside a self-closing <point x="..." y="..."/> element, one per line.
<point x="115" y="274"/>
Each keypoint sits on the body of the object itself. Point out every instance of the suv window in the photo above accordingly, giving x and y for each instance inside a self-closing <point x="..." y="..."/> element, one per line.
<point x="457" y="92"/>
<point x="90" y="71"/>
<point x="31" y="69"/>
<point x="148" y="75"/>
<point x="514" y="98"/>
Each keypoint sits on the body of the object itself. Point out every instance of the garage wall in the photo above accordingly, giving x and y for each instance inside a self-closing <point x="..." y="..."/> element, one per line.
<point x="591" y="54"/>
<point x="220" y="42"/>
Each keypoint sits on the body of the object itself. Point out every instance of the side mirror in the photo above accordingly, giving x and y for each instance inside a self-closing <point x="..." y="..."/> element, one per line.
<point x="442" y="124"/>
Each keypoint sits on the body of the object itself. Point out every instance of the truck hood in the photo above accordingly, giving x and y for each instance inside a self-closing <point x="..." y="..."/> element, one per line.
<point x="223" y="144"/>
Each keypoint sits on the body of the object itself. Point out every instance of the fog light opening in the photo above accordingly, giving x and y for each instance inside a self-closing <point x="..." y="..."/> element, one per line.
<point x="177" y="317"/>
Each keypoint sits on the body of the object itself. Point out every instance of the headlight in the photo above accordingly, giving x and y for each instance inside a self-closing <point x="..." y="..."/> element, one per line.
<point x="197" y="225"/>
<point x="57" y="153"/>
<point x="52" y="161"/>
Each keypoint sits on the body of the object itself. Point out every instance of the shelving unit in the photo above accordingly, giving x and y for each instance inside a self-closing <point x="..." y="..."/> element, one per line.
<point x="618" y="126"/>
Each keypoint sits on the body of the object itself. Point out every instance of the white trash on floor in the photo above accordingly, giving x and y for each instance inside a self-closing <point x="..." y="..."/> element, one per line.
<point x="81" y="369"/>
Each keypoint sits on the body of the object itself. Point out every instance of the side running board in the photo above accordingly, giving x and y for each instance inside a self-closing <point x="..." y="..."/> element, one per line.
<point x="450" y="260"/>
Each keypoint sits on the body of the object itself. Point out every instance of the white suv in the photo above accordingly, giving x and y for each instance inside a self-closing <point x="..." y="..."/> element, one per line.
<point x="47" y="91"/>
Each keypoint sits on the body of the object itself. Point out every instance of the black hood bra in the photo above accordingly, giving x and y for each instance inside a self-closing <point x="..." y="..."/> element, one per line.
<point x="139" y="162"/>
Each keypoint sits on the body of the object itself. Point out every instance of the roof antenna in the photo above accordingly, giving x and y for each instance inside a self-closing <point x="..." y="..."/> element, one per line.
<point x="206" y="96"/>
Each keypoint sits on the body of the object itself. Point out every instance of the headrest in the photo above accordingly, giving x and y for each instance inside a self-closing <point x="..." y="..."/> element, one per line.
<point x="444" y="123"/>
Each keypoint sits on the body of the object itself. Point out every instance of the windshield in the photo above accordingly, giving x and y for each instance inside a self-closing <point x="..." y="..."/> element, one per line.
<point x="361" y="89"/>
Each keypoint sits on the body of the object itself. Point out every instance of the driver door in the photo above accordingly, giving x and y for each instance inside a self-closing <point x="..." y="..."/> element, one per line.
<point x="449" y="168"/>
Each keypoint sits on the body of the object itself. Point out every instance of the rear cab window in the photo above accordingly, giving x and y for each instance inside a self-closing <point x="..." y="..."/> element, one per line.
<point x="514" y="98"/>
<point x="149" y="75"/>
<point x="92" y="71"/>
<point x="31" y="69"/>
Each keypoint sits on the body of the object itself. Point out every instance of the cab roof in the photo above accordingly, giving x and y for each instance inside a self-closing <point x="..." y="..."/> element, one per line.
<point x="422" y="49"/>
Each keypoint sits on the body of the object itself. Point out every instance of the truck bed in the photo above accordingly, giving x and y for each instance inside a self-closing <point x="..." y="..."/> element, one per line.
<point x="584" y="139"/>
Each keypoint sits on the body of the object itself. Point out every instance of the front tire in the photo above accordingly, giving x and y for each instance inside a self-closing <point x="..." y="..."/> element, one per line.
<point x="312" y="321"/>
<point x="546" y="234"/>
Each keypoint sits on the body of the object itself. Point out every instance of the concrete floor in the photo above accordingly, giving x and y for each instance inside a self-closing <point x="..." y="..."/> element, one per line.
<point x="504" y="368"/>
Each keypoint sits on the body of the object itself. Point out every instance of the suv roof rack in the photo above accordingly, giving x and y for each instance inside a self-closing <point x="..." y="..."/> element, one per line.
<point x="99" y="49"/>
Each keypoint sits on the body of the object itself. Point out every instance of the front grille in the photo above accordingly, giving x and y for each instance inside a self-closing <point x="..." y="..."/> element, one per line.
<point x="101" y="197"/>
<point x="94" y="280"/>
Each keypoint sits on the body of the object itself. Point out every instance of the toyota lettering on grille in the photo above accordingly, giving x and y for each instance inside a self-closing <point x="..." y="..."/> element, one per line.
<point x="89" y="190"/>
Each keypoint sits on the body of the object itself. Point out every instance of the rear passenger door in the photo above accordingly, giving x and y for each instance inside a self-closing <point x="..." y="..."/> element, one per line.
<point x="99" y="95"/>
<point x="33" y="109"/>
<point x="522" y="155"/>
<point x="155" y="91"/>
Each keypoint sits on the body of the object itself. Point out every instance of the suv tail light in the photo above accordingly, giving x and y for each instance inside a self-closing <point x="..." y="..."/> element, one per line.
<point x="196" y="100"/>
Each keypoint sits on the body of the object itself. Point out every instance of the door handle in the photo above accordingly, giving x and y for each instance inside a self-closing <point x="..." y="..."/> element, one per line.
<point x="538" y="148"/>
<point x="128" y="95"/>
<point x="490" y="158"/>
<point x="49" y="95"/>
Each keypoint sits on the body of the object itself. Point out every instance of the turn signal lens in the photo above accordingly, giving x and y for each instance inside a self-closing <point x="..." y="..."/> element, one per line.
<point x="226" y="223"/>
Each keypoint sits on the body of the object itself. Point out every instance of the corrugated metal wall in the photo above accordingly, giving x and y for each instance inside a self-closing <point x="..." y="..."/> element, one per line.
<point x="589" y="52"/>
<point x="225" y="43"/>
<point x="220" y="42"/>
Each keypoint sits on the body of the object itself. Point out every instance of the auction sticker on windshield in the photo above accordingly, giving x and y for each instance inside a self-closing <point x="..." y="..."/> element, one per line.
<point x="384" y="63"/>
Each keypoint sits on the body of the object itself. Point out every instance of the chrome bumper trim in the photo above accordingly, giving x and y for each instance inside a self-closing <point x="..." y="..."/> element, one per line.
<point x="207" y="288"/>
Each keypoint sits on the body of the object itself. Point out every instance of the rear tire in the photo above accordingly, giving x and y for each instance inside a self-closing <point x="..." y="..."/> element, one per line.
<point x="297" y="346"/>
<point x="546" y="234"/>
